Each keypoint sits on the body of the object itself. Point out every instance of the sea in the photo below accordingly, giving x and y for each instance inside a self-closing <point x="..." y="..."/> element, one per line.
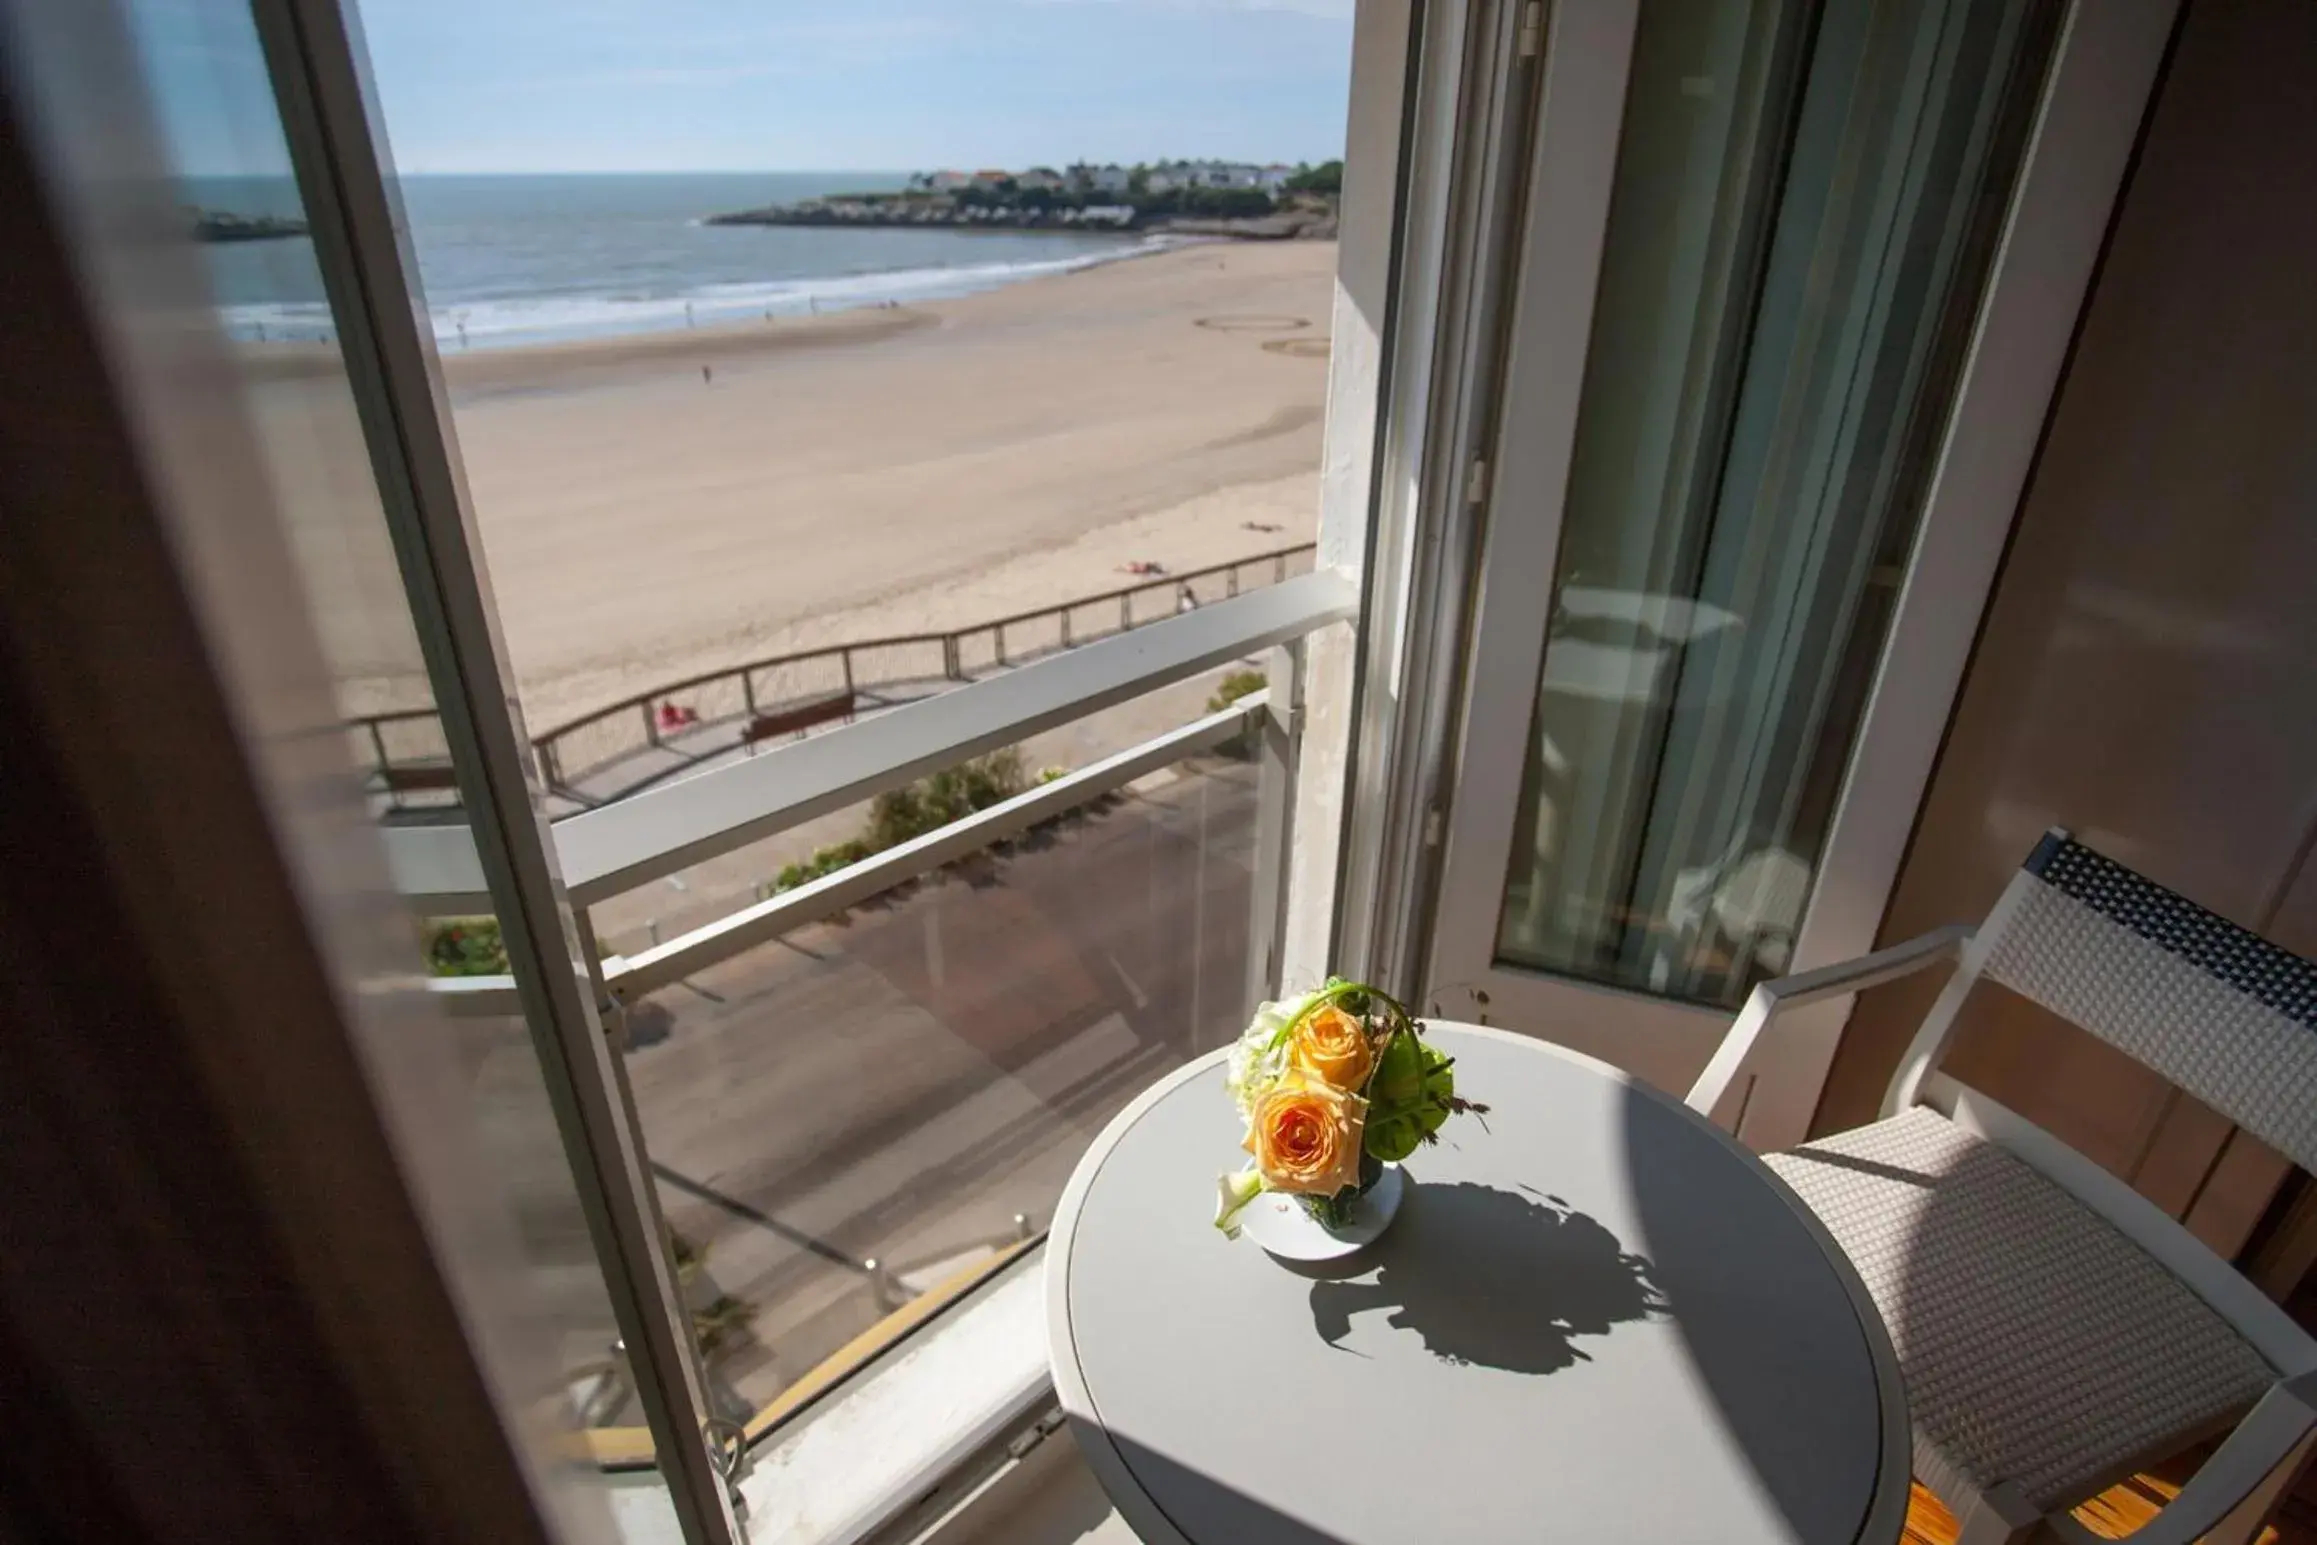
<point x="511" y="260"/>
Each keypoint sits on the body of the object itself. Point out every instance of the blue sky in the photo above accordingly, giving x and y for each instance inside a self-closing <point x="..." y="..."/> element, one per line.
<point x="747" y="85"/>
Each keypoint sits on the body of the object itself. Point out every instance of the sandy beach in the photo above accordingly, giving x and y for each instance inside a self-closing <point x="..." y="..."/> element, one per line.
<point x="656" y="506"/>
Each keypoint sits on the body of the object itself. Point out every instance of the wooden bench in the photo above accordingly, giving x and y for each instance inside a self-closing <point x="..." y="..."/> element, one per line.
<point x="792" y="721"/>
<point x="419" y="777"/>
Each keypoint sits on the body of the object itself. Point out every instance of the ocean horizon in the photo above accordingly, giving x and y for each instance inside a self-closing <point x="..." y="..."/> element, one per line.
<point x="513" y="259"/>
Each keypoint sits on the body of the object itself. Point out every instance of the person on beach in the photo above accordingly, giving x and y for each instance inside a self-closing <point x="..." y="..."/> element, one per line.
<point x="707" y="375"/>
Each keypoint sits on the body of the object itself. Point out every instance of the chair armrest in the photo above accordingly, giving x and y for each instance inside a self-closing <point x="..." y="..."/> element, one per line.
<point x="1803" y="987"/>
<point x="2248" y="1471"/>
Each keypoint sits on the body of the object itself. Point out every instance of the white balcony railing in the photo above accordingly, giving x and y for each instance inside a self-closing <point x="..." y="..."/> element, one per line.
<point x="719" y="810"/>
<point x="663" y="830"/>
<point x="606" y="851"/>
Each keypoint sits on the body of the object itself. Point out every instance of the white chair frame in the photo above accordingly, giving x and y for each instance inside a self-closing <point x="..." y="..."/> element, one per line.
<point x="2232" y="1495"/>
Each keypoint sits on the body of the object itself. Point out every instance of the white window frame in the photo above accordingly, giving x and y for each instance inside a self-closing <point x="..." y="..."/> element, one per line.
<point x="1468" y="114"/>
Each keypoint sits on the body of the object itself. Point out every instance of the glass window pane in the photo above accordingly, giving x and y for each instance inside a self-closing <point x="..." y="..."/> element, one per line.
<point x="1047" y="366"/>
<point x="1805" y="204"/>
<point x="911" y="1083"/>
<point x="1005" y="366"/>
<point x="209" y="78"/>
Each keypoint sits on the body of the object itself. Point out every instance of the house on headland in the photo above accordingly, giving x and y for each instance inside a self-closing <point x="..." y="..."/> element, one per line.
<point x="1088" y="178"/>
<point x="1168" y="176"/>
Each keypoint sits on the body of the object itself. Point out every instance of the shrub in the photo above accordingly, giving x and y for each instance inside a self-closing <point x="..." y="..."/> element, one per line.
<point x="1231" y="688"/>
<point x="1225" y="203"/>
<point x="1327" y="177"/>
<point x="465" y="946"/>
<point x="897" y="815"/>
<point x="929" y="804"/>
<point x="1203" y="203"/>
<point x="829" y="860"/>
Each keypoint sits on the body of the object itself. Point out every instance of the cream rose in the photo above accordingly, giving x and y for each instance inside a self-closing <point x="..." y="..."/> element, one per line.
<point x="1334" y="1049"/>
<point x="1305" y="1136"/>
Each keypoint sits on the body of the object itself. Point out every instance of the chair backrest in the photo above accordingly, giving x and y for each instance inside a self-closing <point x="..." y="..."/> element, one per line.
<point x="2220" y="1011"/>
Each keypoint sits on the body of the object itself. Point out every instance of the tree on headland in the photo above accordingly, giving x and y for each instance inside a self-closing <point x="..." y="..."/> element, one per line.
<point x="1327" y="177"/>
<point x="1226" y="203"/>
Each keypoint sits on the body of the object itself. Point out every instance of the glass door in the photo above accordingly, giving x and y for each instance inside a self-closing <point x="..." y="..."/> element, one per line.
<point x="1749" y="280"/>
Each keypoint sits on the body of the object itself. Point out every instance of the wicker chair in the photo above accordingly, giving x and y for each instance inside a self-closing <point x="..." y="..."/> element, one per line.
<point x="2057" y="1330"/>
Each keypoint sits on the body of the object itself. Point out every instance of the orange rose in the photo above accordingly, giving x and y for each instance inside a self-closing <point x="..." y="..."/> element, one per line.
<point x="1306" y="1136"/>
<point x="1333" y="1048"/>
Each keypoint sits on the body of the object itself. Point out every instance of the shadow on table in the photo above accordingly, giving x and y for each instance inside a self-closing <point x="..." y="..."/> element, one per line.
<point x="1204" y="1509"/>
<point x="1495" y="1278"/>
<point x="1777" y="1345"/>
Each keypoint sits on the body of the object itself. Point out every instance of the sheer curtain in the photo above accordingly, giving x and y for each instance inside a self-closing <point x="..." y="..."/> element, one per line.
<point x="1805" y="203"/>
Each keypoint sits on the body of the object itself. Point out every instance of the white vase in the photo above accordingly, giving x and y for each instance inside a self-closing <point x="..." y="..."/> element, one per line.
<point x="1281" y="1225"/>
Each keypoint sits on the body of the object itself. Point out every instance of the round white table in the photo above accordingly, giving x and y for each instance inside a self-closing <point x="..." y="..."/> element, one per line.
<point x="1596" y="1318"/>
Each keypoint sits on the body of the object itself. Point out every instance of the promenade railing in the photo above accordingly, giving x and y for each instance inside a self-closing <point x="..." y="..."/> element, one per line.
<point x="628" y="745"/>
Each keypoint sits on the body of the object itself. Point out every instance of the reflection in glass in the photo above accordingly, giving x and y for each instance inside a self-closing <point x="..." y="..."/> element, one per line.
<point x="1804" y="208"/>
<point x="241" y="199"/>
<point x="233" y="168"/>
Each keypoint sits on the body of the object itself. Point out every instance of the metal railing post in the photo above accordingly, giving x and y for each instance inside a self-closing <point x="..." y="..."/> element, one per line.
<point x="378" y="745"/>
<point x="651" y="725"/>
<point x="748" y="693"/>
<point x="999" y="642"/>
<point x="1279" y="745"/>
<point x="1126" y="611"/>
<point x="845" y="663"/>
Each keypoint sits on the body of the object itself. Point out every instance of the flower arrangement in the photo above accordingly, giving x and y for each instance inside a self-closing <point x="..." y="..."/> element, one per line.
<point x="1333" y="1086"/>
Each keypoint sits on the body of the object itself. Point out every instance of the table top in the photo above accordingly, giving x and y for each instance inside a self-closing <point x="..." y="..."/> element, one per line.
<point x="1595" y="1318"/>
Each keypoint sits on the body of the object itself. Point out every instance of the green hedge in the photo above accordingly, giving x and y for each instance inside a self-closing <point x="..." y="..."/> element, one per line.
<point x="1233" y="687"/>
<point x="1229" y="690"/>
<point x="929" y="804"/>
<point x="471" y="946"/>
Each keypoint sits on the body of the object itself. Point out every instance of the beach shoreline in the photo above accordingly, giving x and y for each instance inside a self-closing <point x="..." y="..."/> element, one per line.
<point x="611" y="313"/>
<point x="658" y="505"/>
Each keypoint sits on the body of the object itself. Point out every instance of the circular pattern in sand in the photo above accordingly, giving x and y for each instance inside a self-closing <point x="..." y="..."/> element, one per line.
<point x="1252" y="323"/>
<point x="1298" y="348"/>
